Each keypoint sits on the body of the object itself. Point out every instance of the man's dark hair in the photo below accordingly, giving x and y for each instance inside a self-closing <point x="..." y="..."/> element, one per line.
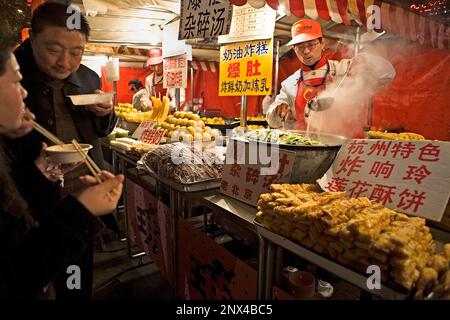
<point x="57" y="15"/>
<point x="6" y="46"/>
<point x="136" y="83"/>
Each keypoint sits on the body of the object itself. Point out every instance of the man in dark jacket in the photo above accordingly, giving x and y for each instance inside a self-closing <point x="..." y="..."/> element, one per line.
<point x="51" y="66"/>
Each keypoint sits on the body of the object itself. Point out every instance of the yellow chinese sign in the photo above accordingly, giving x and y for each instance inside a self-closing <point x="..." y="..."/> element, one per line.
<point x="246" y="69"/>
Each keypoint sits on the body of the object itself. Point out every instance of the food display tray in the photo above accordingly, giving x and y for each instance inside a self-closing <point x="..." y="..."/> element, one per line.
<point x="356" y="278"/>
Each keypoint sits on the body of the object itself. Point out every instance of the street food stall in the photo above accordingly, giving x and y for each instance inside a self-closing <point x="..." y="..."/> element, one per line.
<point x="218" y="228"/>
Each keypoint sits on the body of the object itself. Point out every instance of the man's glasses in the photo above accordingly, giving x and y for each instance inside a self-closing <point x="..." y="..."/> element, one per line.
<point x="309" y="45"/>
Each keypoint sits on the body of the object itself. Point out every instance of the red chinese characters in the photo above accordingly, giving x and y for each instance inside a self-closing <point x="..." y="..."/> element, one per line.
<point x="349" y="165"/>
<point x="224" y="185"/>
<point x="253" y="68"/>
<point x="337" y="184"/>
<point x="235" y="170"/>
<point x="383" y="194"/>
<point x="235" y="190"/>
<point x="404" y="149"/>
<point x="429" y="152"/>
<point x="417" y="173"/>
<point x="412" y="200"/>
<point x="252" y="175"/>
<point x="174" y="78"/>
<point x="234" y="70"/>
<point x="382" y="168"/>
<point x="248" y="194"/>
<point x="380" y="148"/>
<point x="357" y="147"/>
<point x="359" y="188"/>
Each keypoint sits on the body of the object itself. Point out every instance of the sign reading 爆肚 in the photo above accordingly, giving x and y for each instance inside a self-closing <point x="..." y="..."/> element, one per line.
<point x="246" y="68"/>
<point x="409" y="176"/>
<point x="204" y="18"/>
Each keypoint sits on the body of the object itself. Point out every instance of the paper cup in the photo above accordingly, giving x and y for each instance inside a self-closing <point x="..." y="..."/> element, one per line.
<point x="301" y="284"/>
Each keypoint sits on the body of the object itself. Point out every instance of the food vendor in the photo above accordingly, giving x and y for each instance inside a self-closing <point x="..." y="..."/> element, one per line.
<point x="138" y="90"/>
<point x="154" y="82"/>
<point x="316" y="73"/>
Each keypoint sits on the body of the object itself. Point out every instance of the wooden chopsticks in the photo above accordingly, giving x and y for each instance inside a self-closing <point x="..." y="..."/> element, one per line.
<point x="46" y="133"/>
<point x="92" y="166"/>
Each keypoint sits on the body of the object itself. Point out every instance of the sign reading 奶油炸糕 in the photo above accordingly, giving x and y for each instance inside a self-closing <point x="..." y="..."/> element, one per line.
<point x="246" y="68"/>
<point x="175" y="72"/>
<point x="408" y="176"/>
<point x="204" y="18"/>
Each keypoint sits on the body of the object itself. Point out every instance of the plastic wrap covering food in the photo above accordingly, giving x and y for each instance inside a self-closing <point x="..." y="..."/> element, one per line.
<point x="133" y="146"/>
<point x="353" y="231"/>
<point x="185" y="164"/>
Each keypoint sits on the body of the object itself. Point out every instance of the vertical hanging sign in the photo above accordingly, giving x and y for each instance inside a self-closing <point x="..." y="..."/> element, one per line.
<point x="204" y="18"/>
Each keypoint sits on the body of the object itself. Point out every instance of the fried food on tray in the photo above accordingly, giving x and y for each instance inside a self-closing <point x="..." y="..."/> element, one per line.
<point x="352" y="231"/>
<point x="394" y="136"/>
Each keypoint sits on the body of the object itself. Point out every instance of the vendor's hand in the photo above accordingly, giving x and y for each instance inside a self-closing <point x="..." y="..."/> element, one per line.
<point x="284" y="111"/>
<point x="25" y="127"/>
<point x="51" y="170"/>
<point x="90" y="180"/>
<point x="146" y="103"/>
<point x="101" y="109"/>
<point x="96" y="199"/>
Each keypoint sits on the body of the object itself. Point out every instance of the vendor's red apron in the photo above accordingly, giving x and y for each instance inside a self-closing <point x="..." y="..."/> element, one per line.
<point x="310" y="83"/>
<point x="159" y="89"/>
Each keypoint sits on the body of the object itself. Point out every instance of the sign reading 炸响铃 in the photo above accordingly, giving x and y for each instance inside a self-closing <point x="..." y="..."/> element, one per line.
<point x="246" y="68"/>
<point x="408" y="176"/>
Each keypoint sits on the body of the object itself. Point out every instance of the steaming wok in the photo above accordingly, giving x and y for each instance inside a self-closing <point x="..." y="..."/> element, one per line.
<point x="311" y="162"/>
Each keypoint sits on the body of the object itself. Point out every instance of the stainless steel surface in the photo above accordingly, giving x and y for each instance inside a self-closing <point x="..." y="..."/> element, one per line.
<point x="233" y="216"/>
<point x="191" y="187"/>
<point x="270" y="263"/>
<point x="192" y="89"/>
<point x="260" y="289"/>
<point x="115" y="92"/>
<point x="311" y="162"/>
<point x="277" y="66"/>
<point x="243" y="111"/>
<point x="177" y="99"/>
<point x="343" y="272"/>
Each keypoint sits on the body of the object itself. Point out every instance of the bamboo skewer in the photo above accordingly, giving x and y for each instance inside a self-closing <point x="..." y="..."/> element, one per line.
<point x="46" y="133"/>
<point x="92" y="166"/>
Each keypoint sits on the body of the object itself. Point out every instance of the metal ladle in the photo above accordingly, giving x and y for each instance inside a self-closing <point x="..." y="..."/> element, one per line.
<point x="326" y="102"/>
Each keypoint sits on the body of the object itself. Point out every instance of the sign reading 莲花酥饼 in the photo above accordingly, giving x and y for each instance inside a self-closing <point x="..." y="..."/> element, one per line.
<point x="408" y="176"/>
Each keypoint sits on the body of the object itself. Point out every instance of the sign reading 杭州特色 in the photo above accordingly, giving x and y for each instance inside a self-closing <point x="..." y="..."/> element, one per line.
<point x="246" y="68"/>
<point x="408" y="176"/>
<point x="204" y="18"/>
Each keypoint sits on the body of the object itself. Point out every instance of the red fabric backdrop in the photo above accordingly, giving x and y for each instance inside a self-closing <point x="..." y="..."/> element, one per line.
<point x="417" y="99"/>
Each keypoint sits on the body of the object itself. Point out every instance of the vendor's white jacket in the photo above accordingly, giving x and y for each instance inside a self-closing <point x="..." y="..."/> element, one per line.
<point x="145" y="98"/>
<point x="374" y="66"/>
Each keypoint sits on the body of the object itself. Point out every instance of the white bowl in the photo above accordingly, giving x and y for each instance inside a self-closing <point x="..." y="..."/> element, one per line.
<point x="66" y="153"/>
<point x="94" y="98"/>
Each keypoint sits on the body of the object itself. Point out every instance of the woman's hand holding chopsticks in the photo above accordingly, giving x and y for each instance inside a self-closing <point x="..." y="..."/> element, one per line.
<point x="101" y="199"/>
